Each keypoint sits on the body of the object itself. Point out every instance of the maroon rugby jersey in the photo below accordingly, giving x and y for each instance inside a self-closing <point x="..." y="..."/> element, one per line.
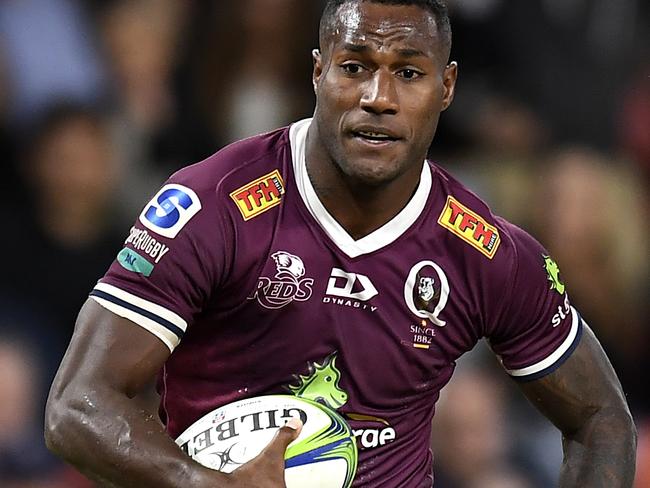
<point x="239" y="269"/>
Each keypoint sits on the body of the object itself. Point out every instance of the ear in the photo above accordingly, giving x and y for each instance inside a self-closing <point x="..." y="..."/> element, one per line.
<point x="449" y="84"/>
<point x="318" y="67"/>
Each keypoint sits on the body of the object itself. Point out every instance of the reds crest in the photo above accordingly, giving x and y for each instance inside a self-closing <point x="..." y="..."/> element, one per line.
<point x="287" y="285"/>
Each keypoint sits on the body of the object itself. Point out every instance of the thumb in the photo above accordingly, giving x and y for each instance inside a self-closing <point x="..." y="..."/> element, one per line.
<point x="283" y="437"/>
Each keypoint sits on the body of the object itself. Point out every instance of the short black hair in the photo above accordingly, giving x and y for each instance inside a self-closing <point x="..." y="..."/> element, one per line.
<point x="437" y="7"/>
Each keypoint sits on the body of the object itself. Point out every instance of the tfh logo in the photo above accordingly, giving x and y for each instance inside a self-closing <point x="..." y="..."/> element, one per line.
<point x="350" y="285"/>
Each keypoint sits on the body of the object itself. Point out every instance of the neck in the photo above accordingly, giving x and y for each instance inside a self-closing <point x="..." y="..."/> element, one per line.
<point x="358" y="207"/>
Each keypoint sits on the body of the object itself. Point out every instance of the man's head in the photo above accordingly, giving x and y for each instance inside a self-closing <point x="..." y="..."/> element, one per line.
<point x="381" y="80"/>
<point x="437" y="8"/>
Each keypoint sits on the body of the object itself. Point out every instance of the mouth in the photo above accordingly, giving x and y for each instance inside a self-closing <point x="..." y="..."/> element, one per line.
<point x="374" y="136"/>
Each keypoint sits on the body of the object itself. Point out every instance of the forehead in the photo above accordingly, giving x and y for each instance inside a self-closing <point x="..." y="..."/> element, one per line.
<point x="384" y="27"/>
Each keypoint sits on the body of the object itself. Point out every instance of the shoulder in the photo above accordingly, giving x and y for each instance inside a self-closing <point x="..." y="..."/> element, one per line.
<point x="206" y="195"/>
<point x="471" y="220"/>
<point x="239" y="160"/>
<point x="489" y="248"/>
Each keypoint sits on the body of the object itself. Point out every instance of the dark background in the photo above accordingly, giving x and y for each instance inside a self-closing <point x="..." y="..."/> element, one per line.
<point x="101" y="100"/>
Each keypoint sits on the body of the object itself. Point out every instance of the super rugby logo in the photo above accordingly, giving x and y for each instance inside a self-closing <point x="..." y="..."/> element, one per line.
<point x="288" y="284"/>
<point x="260" y="195"/>
<point x="170" y="209"/>
<point x="426" y="291"/>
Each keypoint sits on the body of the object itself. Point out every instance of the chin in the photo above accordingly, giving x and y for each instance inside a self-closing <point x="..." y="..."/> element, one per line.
<point x="370" y="173"/>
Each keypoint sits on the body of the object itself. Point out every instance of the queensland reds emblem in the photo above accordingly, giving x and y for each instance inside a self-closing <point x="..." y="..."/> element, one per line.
<point x="287" y="285"/>
<point x="426" y="291"/>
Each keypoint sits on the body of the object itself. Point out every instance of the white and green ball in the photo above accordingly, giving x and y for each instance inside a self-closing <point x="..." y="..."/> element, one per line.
<point x="323" y="456"/>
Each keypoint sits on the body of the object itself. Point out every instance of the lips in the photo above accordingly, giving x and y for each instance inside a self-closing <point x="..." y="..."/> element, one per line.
<point x="375" y="134"/>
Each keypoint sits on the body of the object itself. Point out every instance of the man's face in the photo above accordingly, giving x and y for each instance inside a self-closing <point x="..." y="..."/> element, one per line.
<point x="381" y="83"/>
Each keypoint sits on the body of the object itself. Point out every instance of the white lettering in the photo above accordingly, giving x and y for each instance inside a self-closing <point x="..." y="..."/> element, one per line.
<point x="142" y="241"/>
<point x="562" y="313"/>
<point x="367" y="292"/>
<point x="386" y="436"/>
<point x="369" y="438"/>
<point x="164" y="250"/>
<point x="349" y="303"/>
<point x="556" y="321"/>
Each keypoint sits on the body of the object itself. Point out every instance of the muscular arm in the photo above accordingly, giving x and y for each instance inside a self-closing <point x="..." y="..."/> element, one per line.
<point x="584" y="399"/>
<point x="93" y="421"/>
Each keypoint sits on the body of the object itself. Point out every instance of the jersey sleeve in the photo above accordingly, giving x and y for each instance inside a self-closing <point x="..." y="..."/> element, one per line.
<point x="537" y="328"/>
<point x="175" y="255"/>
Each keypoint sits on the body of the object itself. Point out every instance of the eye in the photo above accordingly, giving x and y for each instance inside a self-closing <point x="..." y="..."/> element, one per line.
<point x="409" y="74"/>
<point x="328" y="379"/>
<point x="352" y="68"/>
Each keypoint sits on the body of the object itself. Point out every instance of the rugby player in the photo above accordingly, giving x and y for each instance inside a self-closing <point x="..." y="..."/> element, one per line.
<point x="331" y="245"/>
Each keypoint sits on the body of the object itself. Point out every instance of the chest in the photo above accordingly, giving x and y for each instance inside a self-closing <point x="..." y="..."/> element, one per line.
<point x="394" y="320"/>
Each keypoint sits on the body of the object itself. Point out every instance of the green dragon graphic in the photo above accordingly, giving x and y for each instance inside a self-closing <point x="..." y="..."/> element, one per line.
<point x="553" y="272"/>
<point x="322" y="384"/>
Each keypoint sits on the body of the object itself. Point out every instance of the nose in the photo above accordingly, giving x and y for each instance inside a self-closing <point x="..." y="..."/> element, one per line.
<point x="380" y="94"/>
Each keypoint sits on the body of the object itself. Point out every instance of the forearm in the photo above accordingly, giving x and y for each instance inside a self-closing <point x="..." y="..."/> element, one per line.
<point x="112" y="440"/>
<point x="602" y="453"/>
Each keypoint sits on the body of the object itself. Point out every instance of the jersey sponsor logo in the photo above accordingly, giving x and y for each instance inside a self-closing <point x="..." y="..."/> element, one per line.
<point x="470" y="227"/>
<point x="351" y="290"/>
<point x="289" y="283"/>
<point x="132" y="261"/>
<point x="260" y="195"/>
<point x="141" y="240"/>
<point x="350" y="285"/>
<point x="370" y="431"/>
<point x="322" y="384"/>
<point x="426" y="291"/>
<point x="170" y="209"/>
<point x="553" y="272"/>
<point x="563" y="311"/>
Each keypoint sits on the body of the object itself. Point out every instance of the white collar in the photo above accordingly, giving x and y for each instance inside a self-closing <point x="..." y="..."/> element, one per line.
<point x="377" y="239"/>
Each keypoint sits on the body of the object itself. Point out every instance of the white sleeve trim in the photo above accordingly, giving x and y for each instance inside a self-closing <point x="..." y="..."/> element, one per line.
<point x="151" y="307"/>
<point x="167" y="337"/>
<point x="556" y="355"/>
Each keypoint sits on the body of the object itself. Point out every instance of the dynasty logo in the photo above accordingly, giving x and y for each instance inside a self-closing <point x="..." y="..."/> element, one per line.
<point x="288" y="284"/>
<point x="470" y="227"/>
<point x="259" y="195"/>
<point x="351" y="290"/>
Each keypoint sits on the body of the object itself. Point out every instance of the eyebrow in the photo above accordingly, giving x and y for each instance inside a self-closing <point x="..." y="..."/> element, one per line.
<point x="362" y="48"/>
<point x="411" y="53"/>
<point x="355" y="48"/>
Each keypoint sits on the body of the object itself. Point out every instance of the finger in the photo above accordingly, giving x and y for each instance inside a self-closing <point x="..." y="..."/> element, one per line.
<point x="283" y="437"/>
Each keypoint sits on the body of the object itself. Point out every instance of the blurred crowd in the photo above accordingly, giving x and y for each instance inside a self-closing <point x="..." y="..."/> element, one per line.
<point x="101" y="99"/>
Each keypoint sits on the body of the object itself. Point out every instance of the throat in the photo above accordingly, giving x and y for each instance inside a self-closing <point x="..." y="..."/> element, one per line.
<point x="359" y="207"/>
<point x="361" y="210"/>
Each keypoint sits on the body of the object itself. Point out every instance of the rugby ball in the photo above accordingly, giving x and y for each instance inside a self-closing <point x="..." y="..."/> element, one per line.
<point x="323" y="456"/>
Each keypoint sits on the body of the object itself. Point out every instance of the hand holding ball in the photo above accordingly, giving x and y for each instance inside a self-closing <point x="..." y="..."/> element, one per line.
<point x="323" y="456"/>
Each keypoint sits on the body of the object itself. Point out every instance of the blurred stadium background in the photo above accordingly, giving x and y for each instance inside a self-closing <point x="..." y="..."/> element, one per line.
<point x="101" y="99"/>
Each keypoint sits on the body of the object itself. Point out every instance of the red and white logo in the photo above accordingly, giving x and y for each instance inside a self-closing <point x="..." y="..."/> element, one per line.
<point x="287" y="285"/>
